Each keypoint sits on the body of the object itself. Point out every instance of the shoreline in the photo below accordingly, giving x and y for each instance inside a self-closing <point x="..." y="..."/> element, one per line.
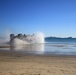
<point x="24" y="53"/>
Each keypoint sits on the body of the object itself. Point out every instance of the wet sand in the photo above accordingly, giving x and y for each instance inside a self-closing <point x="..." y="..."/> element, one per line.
<point x="12" y="63"/>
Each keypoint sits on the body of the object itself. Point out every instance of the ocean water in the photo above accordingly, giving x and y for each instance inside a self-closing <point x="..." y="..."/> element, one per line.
<point x="52" y="46"/>
<point x="60" y="46"/>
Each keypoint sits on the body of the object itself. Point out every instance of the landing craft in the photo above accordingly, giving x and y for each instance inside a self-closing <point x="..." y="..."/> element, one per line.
<point x="26" y="39"/>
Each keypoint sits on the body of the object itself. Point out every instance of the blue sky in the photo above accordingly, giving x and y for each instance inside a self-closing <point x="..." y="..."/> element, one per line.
<point x="52" y="17"/>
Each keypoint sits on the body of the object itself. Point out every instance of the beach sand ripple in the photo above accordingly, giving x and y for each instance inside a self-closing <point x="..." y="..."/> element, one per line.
<point x="37" y="65"/>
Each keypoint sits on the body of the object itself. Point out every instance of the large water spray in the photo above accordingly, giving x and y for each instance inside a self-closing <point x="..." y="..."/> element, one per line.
<point x="36" y="38"/>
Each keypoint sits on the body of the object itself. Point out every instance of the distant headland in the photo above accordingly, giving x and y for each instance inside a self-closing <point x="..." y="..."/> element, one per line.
<point x="51" y="37"/>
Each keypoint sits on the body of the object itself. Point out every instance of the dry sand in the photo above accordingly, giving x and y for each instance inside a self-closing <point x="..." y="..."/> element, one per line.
<point x="17" y="64"/>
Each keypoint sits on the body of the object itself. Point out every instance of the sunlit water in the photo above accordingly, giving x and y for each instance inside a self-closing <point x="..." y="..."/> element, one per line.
<point x="49" y="48"/>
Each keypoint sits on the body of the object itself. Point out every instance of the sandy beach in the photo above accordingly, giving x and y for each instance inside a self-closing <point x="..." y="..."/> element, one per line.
<point x="18" y="64"/>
